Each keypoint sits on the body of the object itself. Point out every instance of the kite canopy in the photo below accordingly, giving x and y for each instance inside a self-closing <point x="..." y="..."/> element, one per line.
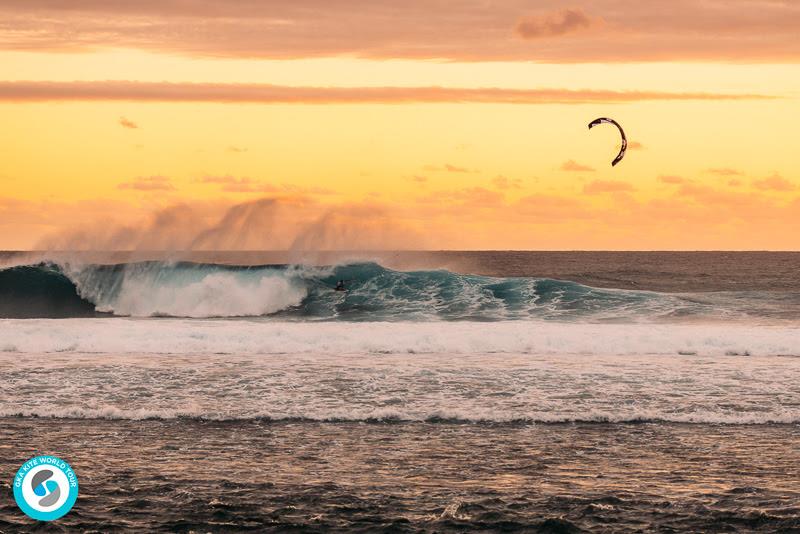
<point x="604" y="120"/>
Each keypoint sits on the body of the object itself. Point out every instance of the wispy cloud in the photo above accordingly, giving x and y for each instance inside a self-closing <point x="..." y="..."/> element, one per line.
<point x="608" y="186"/>
<point x="573" y="166"/>
<point x="232" y="184"/>
<point x="126" y="123"/>
<point x="245" y="184"/>
<point x="776" y="182"/>
<point x="148" y="183"/>
<point x="503" y="182"/>
<point x="725" y="171"/>
<point x="671" y="179"/>
<point x="42" y="91"/>
<point x="447" y="167"/>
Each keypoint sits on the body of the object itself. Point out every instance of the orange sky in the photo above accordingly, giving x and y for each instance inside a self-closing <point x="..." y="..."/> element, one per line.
<point x="383" y="124"/>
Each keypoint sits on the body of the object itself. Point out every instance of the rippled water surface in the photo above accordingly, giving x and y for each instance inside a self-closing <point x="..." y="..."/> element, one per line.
<point x="201" y="476"/>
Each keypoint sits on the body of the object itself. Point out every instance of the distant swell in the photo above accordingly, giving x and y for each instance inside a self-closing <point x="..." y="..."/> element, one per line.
<point x="374" y="293"/>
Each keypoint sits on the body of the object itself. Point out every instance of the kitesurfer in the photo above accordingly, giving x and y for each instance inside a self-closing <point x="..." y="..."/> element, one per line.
<point x="624" y="147"/>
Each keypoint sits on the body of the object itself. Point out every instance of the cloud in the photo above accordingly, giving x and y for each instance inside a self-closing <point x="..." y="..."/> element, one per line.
<point x="454" y="168"/>
<point x="456" y="30"/>
<point x="148" y="183"/>
<point x="775" y="182"/>
<point x="125" y="123"/>
<point x="45" y="91"/>
<point x="607" y="186"/>
<point x="419" y="179"/>
<point x="472" y="197"/>
<point x="725" y="199"/>
<point x="502" y="182"/>
<point x="671" y="179"/>
<point x="724" y="171"/>
<point x="553" y="24"/>
<point x="236" y="149"/>
<point x="232" y="184"/>
<point x="572" y="166"/>
<point x="447" y="167"/>
<point x="635" y="145"/>
<point x="734" y="183"/>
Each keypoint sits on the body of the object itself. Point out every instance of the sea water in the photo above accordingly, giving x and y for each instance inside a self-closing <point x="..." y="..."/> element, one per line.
<point x="441" y="392"/>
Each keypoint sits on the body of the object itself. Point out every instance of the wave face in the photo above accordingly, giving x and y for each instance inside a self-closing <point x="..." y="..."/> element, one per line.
<point x="374" y="293"/>
<point x="40" y="291"/>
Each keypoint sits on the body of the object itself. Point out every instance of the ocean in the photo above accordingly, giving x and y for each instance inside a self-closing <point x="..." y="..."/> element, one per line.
<point x="442" y="392"/>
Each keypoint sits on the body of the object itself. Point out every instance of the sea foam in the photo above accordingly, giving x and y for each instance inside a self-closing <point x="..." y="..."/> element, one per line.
<point x="246" y="336"/>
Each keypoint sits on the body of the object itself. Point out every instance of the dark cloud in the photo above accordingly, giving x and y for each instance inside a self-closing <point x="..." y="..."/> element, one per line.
<point x="553" y="24"/>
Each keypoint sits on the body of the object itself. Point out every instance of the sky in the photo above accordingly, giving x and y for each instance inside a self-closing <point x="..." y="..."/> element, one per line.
<point x="376" y="124"/>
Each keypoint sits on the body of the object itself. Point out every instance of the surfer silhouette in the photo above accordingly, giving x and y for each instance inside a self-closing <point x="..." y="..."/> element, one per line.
<point x="340" y="286"/>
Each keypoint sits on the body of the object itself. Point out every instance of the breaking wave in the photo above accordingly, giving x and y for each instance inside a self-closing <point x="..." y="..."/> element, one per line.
<point x="374" y="293"/>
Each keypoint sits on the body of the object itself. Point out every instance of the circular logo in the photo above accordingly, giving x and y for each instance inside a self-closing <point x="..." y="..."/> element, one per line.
<point x="45" y="488"/>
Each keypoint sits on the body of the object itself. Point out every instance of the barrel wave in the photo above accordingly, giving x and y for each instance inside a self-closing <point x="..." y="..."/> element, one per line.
<point x="292" y="292"/>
